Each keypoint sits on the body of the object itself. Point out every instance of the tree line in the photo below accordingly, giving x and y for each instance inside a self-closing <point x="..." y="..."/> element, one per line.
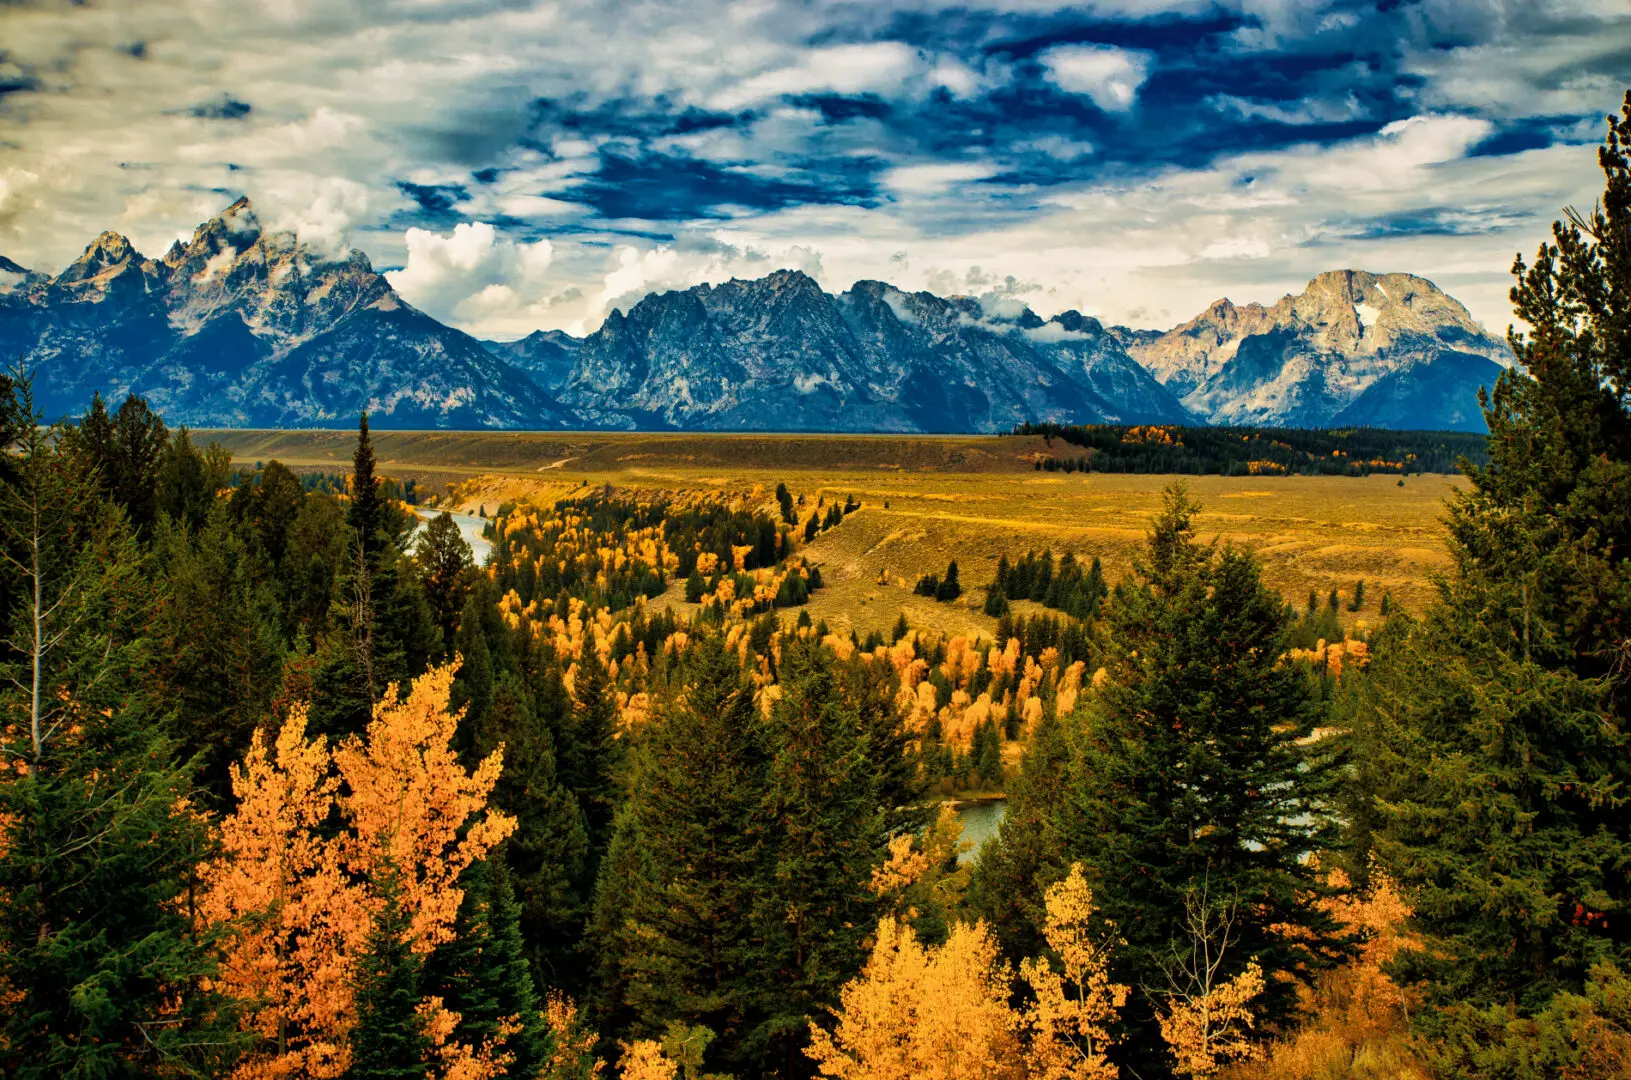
<point x="1251" y="451"/>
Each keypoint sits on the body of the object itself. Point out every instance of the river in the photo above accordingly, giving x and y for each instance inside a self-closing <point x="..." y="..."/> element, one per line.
<point x="470" y="527"/>
<point x="980" y="821"/>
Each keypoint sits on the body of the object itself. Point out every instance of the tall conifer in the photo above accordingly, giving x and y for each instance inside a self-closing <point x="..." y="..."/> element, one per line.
<point x="688" y="939"/>
<point x="1496" y="763"/>
<point x="1192" y="781"/>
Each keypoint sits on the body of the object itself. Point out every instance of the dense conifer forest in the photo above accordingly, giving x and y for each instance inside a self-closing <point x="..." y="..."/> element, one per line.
<point x="1252" y="451"/>
<point x="292" y="787"/>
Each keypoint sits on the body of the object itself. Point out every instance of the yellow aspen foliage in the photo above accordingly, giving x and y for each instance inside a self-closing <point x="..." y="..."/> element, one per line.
<point x="915" y="1012"/>
<point x="296" y="918"/>
<point x="572" y="1043"/>
<point x="409" y="801"/>
<point x="1070" y="1021"/>
<point x="459" y="1061"/>
<point x="1208" y="1026"/>
<point x="644" y="1059"/>
<point x="1354" y="1011"/>
<point x="298" y="892"/>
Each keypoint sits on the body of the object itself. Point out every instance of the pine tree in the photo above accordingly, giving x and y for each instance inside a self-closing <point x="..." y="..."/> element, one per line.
<point x="688" y="936"/>
<point x="102" y="958"/>
<point x="1493" y="734"/>
<point x="1191" y="779"/>
<point x="590" y="756"/>
<point x="547" y="857"/>
<point x="949" y="588"/>
<point x="367" y="513"/>
<point x="445" y="565"/>
<point x="814" y="906"/>
<point x="1024" y="857"/>
<point x="388" y="1041"/>
<point x="189" y="478"/>
<point x="220" y="641"/>
<point x="482" y="973"/>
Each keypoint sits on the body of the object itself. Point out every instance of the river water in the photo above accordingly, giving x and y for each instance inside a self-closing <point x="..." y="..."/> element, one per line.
<point x="470" y="527"/>
<point x="980" y="821"/>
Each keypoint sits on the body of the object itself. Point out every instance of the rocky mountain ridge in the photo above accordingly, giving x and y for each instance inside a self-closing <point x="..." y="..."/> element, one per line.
<point x="1386" y="350"/>
<point x="240" y="327"/>
<point x="243" y="327"/>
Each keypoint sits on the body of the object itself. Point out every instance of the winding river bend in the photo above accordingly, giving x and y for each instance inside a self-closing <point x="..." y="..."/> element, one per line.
<point x="980" y="821"/>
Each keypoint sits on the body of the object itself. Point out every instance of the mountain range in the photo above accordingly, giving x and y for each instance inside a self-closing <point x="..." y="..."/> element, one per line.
<point x="245" y="327"/>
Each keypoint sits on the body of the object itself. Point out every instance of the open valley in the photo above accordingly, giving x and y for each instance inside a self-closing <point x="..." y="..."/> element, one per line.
<point x="927" y="500"/>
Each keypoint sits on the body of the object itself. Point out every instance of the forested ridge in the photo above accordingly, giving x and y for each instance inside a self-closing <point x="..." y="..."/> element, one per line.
<point x="293" y="788"/>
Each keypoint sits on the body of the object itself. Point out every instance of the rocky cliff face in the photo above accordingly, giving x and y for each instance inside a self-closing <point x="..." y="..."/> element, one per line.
<point x="779" y="353"/>
<point x="243" y="327"/>
<point x="1391" y="350"/>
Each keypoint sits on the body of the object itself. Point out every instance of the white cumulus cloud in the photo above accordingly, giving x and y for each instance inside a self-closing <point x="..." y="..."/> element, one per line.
<point x="1108" y="75"/>
<point x="475" y="277"/>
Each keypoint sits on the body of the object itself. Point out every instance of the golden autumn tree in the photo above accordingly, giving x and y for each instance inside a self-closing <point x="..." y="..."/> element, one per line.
<point x="1070" y="1020"/>
<point x="915" y="1011"/>
<point x="1207" y="1020"/>
<point x="313" y="832"/>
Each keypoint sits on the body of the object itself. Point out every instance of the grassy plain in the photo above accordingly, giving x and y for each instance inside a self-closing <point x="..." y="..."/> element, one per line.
<point x="926" y="500"/>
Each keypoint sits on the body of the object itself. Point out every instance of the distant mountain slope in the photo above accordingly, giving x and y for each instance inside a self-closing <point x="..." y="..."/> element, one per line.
<point x="779" y="353"/>
<point x="1353" y="348"/>
<point x="546" y="355"/>
<point x="245" y="328"/>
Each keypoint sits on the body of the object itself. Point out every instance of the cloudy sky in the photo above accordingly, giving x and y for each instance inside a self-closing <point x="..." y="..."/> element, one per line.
<point x="525" y="165"/>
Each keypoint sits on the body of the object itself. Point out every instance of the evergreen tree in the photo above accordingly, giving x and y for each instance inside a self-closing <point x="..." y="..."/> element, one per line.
<point x="688" y="940"/>
<point x="590" y="755"/>
<point x="868" y="691"/>
<point x="189" y="478"/>
<point x="367" y="512"/>
<point x="445" y="565"/>
<point x="482" y="973"/>
<point x="949" y="588"/>
<point x="987" y="754"/>
<point x="814" y="906"/>
<point x="1358" y="601"/>
<point x="271" y="505"/>
<point x="102" y="962"/>
<point x="388" y="1041"/>
<point x="137" y="451"/>
<point x="1191" y="782"/>
<point x="785" y="499"/>
<point x="473" y="691"/>
<point x="1493" y="764"/>
<point x="1017" y="865"/>
<point x="220" y="641"/>
<point x="547" y="856"/>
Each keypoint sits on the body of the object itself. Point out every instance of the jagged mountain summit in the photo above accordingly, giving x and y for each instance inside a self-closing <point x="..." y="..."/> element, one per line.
<point x="244" y="327"/>
<point x="241" y="326"/>
<point x="780" y="353"/>
<point x="1383" y="350"/>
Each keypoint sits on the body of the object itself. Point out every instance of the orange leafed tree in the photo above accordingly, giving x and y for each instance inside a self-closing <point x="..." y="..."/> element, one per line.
<point x="941" y="1011"/>
<point x="298" y="891"/>
<point x="1070" y="1021"/>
